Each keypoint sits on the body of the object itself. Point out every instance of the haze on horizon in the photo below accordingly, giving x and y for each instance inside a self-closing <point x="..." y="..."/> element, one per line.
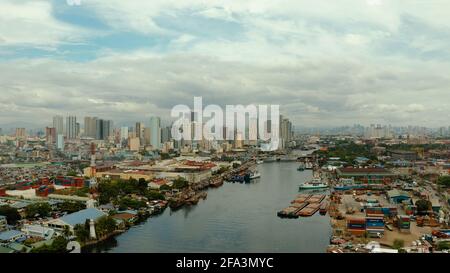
<point x="325" y="63"/>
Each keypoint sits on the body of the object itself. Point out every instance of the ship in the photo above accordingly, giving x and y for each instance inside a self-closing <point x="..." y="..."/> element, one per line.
<point x="301" y="167"/>
<point x="259" y="162"/>
<point x="316" y="183"/>
<point x="255" y="175"/>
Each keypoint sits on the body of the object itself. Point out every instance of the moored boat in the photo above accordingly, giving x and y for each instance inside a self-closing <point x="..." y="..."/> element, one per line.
<point x="316" y="183"/>
<point x="323" y="208"/>
<point x="309" y="210"/>
<point x="255" y="175"/>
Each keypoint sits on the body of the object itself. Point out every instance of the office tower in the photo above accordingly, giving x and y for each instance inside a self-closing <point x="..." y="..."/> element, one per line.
<point x="124" y="133"/>
<point x="134" y="144"/>
<point x="155" y="132"/>
<point x="50" y="135"/>
<point x="139" y="129"/>
<point x="90" y="127"/>
<point x="21" y="133"/>
<point x="165" y="134"/>
<point x="147" y="136"/>
<point x="58" y="124"/>
<point x="71" y="127"/>
<point x="104" y="129"/>
<point x="60" y="142"/>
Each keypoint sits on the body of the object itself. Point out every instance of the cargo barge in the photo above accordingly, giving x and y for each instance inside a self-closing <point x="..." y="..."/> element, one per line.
<point x="309" y="210"/>
<point x="323" y="208"/>
<point x="289" y="212"/>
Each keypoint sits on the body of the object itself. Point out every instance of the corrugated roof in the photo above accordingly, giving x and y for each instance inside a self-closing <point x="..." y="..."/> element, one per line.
<point x="7" y="235"/>
<point x="81" y="216"/>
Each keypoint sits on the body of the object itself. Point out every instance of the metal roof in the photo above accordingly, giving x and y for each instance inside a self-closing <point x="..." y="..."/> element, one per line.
<point x="81" y="216"/>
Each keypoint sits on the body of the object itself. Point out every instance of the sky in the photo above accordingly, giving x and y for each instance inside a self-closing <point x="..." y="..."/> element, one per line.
<point x="326" y="63"/>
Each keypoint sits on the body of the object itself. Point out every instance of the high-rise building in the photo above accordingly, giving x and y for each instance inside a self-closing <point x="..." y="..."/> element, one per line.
<point x="90" y="127"/>
<point x="155" y="132"/>
<point x="147" y="136"/>
<point x="21" y="133"/>
<point x="139" y="130"/>
<point x="166" y="134"/>
<point x="124" y="133"/>
<point x="104" y="129"/>
<point x="60" y="142"/>
<point x="58" y="124"/>
<point x="71" y="127"/>
<point x="50" y="135"/>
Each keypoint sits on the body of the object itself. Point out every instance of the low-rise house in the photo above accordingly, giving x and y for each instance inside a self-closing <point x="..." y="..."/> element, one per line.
<point x="157" y="183"/>
<point x="38" y="231"/>
<point x="11" y="236"/>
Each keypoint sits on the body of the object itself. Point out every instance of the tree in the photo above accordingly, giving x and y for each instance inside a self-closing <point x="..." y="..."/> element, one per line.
<point x="38" y="210"/>
<point x="71" y="206"/>
<point x="142" y="185"/>
<point x="398" y="244"/>
<point x="180" y="183"/>
<point x="11" y="214"/>
<point x="423" y="206"/>
<point x="81" y="232"/>
<point x="155" y="195"/>
<point x="105" y="225"/>
<point x="444" y="181"/>
<point x="58" y="245"/>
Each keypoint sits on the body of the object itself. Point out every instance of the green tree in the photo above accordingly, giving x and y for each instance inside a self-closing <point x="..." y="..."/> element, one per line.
<point x="11" y="214"/>
<point x="81" y="232"/>
<point x="58" y="245"/>
<point x="398" y="244"/>
<point x="423" y="206"/>
<point x="155" y="195"/>
<point x="71" y="206"/>
<point x="180" y="183"/>
<point x="444" y="181"/>
<point x="105" y="225"/>
<point x="41" y="209"/>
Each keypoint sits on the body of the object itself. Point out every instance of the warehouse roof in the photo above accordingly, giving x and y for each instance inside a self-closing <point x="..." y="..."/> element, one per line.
<point x="81" y="216"/>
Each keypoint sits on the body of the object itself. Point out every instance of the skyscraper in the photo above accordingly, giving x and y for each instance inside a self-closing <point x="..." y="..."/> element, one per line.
<point x="50" y="135"/>
<point x="60" y="142"/>
<point x="147" y="136"/>
<point x="104" y="129"/>
<point x="71" y="127"/>
<point x="90" y="127"/>
<point x="155" y="132"/>
<point x="58" y="124"/>
<point x="123" y="133"/>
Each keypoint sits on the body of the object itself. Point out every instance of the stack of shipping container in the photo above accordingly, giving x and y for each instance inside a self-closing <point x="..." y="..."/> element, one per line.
<point x="404" y="223"/>
<point x="356" y="226"/>
<point x="375" y="226"/>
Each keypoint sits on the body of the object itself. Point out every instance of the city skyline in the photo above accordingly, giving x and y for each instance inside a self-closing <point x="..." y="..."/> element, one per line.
<point x="360" y="61"/>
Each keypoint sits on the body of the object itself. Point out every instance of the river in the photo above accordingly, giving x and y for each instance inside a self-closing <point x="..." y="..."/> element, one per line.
<point x="234" y="218"/>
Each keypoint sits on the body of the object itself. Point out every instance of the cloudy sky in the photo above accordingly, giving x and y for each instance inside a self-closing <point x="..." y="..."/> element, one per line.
<point x="324" y="62"/>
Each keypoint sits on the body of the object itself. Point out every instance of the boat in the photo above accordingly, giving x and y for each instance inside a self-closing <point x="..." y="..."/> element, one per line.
<point x="316" y="183"/>
<point x="259" y="162"/>
<point x="309" y="210"/>
<point x="308" y="166"/>
<point x="301" y="168"/>
<point x="255" y="175"/>
<point x="317" y="198"/>
<point x="270" y="159"/>
<point x="215" y="183"/>
<point x="323" y="208"/>
<point x="289" y="212"/>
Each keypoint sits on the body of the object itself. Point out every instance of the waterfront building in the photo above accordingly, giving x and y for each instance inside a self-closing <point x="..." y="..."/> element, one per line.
<point x="367" y="175"/>
<point x="71" y="220"/>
